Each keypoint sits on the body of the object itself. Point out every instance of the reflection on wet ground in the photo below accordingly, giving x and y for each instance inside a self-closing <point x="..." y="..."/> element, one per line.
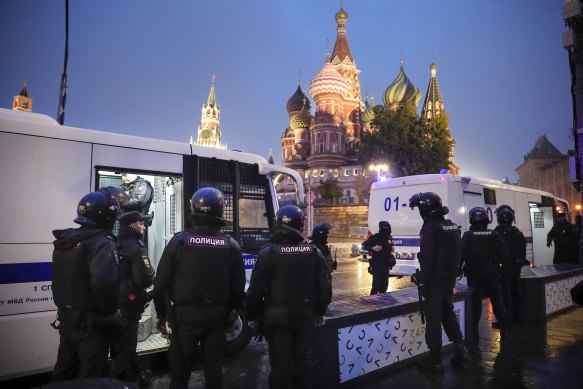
<point x="537" y="355"/>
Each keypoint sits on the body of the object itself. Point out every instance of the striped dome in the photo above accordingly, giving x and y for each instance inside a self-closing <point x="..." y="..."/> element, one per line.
<point x="303" y="118"/>
<point x="328" y="80"/>
<point x="296" y="102"/>
<point x="401" y="90"/>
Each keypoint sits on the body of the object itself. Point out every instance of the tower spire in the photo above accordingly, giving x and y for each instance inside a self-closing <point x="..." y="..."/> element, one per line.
<point x="212" y="100"/>
<point x="341" y="49"/>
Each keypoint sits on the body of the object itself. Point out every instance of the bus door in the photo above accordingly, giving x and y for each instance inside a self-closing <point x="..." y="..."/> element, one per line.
<point x="541" y="219"/>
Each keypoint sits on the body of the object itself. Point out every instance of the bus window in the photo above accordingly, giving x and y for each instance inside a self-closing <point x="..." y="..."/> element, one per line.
<point x="286" y="190"/>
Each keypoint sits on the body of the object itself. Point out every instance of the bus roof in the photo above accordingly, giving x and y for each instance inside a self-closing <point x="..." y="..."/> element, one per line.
<point x="437" y="178"/>
<point x="35" y="124"/>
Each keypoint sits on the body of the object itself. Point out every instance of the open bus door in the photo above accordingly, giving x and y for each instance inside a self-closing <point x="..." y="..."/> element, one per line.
<point x="541" y="220"/>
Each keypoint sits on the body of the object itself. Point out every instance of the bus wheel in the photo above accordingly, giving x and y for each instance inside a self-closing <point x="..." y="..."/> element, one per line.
<point x="239" y="335"/>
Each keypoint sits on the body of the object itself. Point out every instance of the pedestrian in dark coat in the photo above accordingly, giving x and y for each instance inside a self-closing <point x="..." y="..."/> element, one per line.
<point x="382" y="259"/>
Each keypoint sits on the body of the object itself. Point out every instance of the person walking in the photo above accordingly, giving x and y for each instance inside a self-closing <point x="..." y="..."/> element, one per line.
<point x="484" y="259"/>
<point x="200" y="282"/>
<point x="136" y="275"/>
<point x="289" y="293"/>
<point x="382" y="259"/>
<point x="439" y="257"/>
<point x="84" y="285"/>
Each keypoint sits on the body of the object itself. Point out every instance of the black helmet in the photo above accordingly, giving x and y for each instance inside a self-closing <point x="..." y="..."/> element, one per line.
<point x="207" y="206"/>
<point x="427" y="202"/>
<point x="292" y="216"/>
<point x="504" y="214"/>
<point x="321" y="231"/>
<point x="478" y="215"/>
<point x="101" y="208"/>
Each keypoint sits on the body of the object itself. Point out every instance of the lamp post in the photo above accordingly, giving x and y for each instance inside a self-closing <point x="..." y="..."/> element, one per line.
<point x="378" y="168"/>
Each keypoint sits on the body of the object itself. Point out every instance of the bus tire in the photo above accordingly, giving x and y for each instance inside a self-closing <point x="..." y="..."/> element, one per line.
<point x="239" y="335"/>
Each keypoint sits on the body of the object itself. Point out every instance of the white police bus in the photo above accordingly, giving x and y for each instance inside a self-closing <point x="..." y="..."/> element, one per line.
<point x="389" y="200"/>
<point x="45" y="169"/>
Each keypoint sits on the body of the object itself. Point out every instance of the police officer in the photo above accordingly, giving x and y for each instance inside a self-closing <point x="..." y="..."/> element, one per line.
<point x="382" y="259"/>
<point x="136" y="275"/>
<point x="516" y="244"/>
<point x="200" y="281"/>
<point x="84" y="284"/>
<point x="563" y="236"/>
<point x="140" y="192"/>
<point x="320" y="239"/>
<point x="484" y="259"/>
<point x="289" y="292"/>
<point x="439" y="256"/>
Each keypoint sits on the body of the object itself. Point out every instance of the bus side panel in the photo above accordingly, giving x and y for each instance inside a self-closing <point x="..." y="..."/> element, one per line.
<point x="123" y="157"/>
<point x="43" y="182"/>
<point x="29" y="344"/>
<point x="522" y="220"/>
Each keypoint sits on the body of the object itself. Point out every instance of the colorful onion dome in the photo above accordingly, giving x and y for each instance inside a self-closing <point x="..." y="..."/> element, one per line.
<point x="303" y="118"/>
<point x="296" y="102"/>
<point x="401" y="90"/>
<point x="368" y="113"/>
<point x="328" y="80"/>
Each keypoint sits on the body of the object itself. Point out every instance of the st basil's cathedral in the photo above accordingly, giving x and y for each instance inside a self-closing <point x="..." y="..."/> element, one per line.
<point x="325" y="145"/>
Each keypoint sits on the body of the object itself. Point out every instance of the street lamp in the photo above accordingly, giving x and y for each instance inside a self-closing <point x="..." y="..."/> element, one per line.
<point x="378" y="168"/>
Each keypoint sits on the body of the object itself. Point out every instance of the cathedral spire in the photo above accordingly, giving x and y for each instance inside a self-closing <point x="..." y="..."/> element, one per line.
<point x="433" y="104"/>
<point x="341" y="49"/>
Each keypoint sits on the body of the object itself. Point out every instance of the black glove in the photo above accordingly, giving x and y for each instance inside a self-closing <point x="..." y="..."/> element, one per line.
<point x="369" y="270"/>
<point x="334" y="265"/>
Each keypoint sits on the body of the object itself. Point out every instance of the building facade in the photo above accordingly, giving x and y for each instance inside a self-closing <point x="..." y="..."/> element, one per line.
<point x="324" y="145"/>
<point x="546" y="168"/>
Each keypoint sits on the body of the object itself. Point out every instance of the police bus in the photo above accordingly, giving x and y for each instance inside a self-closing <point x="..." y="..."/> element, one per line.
<point x="389" y="200"/>
<point x="47" y="168"/>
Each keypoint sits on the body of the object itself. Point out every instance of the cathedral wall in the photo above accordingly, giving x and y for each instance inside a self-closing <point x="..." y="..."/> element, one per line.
<point x="342" y="218"/>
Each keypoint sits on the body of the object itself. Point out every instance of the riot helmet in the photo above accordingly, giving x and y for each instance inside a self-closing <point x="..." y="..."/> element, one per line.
<point x="101" y="208"/>
<point x="321" y="231"/>
<point x="292" y="216"/>
<point x="505" y="215"/>
<point x="206" y="206"/>
<point x="427" y="202"/>
<point x="478" y="215"/>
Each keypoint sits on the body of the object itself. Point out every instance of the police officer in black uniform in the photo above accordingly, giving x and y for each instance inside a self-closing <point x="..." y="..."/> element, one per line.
<point x="562" y="235"/>
<point x="84" y="284"/>
<point x="200" y="281"/>
<point x="140" y="192"/>
<point x="439" y="256"/>
<point x="289" y="292"/>
<point x="136" y="275"/>
<point x="485" y="259"/>
<point x="320" y="239"/>
<point x="382" y="259"/>
<point x="516" y="244"/>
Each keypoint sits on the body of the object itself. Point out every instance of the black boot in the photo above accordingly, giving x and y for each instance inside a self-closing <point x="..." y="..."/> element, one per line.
<point x="461" y="355"/>
<point x="432" y="364"/>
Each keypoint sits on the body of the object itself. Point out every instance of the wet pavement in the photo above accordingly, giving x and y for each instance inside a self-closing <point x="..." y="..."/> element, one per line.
<point x="537" y="355"/>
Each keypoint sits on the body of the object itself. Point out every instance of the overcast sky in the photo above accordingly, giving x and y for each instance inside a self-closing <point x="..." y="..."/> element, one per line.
<point x="143" y="67"/>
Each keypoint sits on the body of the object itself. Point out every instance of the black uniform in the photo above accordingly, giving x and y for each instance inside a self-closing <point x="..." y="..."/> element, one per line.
<point x="289" y="288"/>
<point x="141" y="194"/>
<point x="484" y="259"/>
<point x="380" y="262"/>
<point x="325" y="250"/>
<point x="562" y="235"/>
<point x="85" y="284"/>
<point x="516" y="244"/>
<point x="136" y="274"/>
<point x="202" y="271"/>
<point x="439" y="255"/>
